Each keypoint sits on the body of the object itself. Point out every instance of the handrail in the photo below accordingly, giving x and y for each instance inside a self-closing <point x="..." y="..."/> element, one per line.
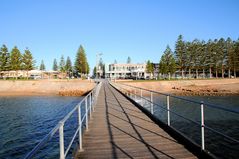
<point x="185" y="99"/>
<point x="165" y="109"/>
<point x="42" y="142"/>
<point x="91" y="98"/>
<point x="121" y="87"/>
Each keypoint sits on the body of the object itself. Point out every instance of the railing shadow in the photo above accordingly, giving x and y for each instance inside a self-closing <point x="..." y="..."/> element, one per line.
<point x="132" y="115"/>
<point x="113" y="144"/>
<point x="139" y="137"/>
<point x="145" y="129"/>
<point x="133" y="110"/>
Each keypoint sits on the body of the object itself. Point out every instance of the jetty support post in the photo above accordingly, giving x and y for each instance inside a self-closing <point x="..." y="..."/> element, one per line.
<point x="90" y="106"/>
<point x="80" y="127"/>
<point x="202" y="126"/>
<point x="168" y="110"/>
<point x="86" y="114"/>
<point x="61" y="136"/>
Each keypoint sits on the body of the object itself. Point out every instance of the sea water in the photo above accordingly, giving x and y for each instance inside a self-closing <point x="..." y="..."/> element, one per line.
<point x="25" y="120"/>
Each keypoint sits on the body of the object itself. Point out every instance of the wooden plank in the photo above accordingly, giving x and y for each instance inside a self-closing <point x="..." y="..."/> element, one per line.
<point x="120" y="130"/>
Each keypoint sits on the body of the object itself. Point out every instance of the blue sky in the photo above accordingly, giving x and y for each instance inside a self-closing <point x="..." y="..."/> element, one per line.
<point x="140" y="29"/>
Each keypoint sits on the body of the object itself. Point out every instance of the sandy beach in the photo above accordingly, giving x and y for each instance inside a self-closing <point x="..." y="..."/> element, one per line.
<point x="45" y="87"/>
<point x="212" y="87"/>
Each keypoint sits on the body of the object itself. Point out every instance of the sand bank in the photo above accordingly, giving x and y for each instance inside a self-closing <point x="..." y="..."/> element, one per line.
<point x="45" y="87"/>
<point x="212" y="87"/>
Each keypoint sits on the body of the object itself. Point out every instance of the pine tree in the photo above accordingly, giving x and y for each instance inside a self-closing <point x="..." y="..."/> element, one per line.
<point x="55" y="66"/>
<point x="190" y="52"/>
<point x="149" y="68"/>
<point x="167" y="64"/>
<point x="42" y="66"/>
<point x="216" y="56"/>
<point x="128" y="60"/>
<point x="221" y="55"/>
<point x="81" y="64"/>
<point x="180" y="53"/>
<point x="4" y="58"/>
<point x="27" y="61"/>
<point x="94" y="71"/>
<point x="15" y="60"/>
<point x="68" y="66"/>
<point x="201" y="58"/>
<point x="236" y="59"/>
<point x="88" y="68"/>
<point x="195" y="53"/>
<point x="230" y="54"/>
<point x="62" y="64"/>
<point x="162" y="66"/>
<point x="209" y="60"/>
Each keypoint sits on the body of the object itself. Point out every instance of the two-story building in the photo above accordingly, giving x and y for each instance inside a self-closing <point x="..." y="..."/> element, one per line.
<point x="126" y="71"/>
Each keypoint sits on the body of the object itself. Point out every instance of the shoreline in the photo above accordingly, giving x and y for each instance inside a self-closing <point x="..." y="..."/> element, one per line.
<point x="212" y="87"/>
<point x="45" y="88"/>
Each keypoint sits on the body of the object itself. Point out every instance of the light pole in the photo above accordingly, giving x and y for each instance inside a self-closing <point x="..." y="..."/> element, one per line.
<point x="97" y="64"/>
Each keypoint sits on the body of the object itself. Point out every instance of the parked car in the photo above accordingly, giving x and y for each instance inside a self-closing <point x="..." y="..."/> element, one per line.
<point x="35" y="77"/>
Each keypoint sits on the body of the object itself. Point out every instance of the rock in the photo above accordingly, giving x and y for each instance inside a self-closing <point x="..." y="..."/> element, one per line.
<point x="71" y="93"/>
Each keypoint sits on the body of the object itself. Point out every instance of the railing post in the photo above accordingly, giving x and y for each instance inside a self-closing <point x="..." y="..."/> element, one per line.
<point x="141" y="97"/>
<point x="61" y="136"/>
<point x="80" y="127"/>
<point x="91" y="101"/>
<point x="152" y="105"/>
<point x="86" y="114"/>
<point x="202" y="126"/>
<point x="90" y="106"/>
<point x="168" y="109"/>
<point x="92" y="94"/>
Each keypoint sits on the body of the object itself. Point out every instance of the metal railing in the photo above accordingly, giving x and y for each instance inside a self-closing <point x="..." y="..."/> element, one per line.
<point x="131" y="91"/>
<point x="90" y="98"/>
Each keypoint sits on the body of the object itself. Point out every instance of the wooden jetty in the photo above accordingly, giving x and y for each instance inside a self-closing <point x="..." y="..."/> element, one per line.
<point x="119" y="129"/>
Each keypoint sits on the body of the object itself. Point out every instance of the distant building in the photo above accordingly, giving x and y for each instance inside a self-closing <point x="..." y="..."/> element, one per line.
<point x="126" y="71"/>
<point x="19" y="73"/>
<point x="30" y="74"/>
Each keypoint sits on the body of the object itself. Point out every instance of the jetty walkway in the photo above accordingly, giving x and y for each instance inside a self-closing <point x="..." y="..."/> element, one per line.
<point x="118" y="129"/>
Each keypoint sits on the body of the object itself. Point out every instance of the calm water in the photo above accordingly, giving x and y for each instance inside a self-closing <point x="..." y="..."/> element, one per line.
<point x="219" y="120"/>
<point x="24" y="121"/>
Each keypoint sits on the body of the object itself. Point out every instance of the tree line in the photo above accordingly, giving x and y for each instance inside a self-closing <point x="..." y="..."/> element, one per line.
<point x="15" y="61"/>
<point x="80" y="68"/>
<point x="214" y="58"/>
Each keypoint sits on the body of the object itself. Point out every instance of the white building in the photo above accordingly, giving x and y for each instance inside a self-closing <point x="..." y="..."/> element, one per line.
<point x="30" y="74"/>
<point x="126" y="71"/>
